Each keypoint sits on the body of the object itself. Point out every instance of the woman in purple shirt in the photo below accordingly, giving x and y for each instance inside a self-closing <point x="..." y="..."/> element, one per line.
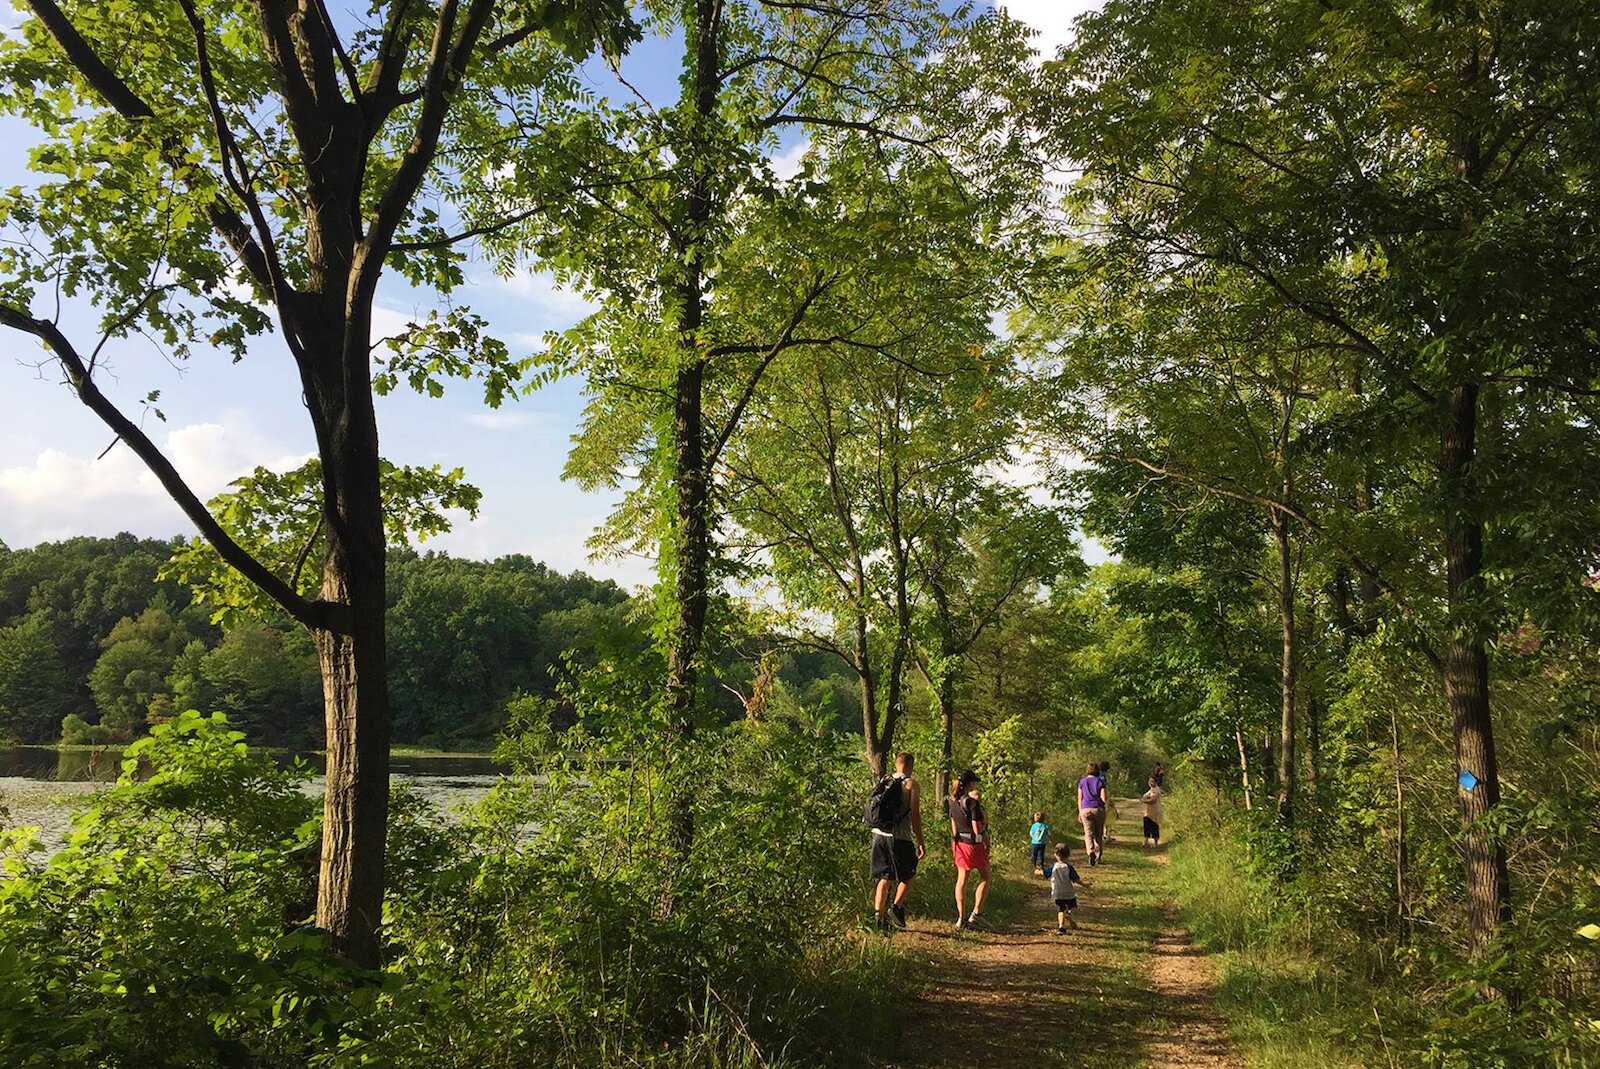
<point x="1092" y="812"/>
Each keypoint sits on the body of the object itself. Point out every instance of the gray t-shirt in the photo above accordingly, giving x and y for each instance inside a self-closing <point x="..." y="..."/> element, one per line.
<point x="1062" y="876"/>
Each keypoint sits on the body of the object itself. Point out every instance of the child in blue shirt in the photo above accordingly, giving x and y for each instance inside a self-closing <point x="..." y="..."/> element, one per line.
<point x="1038" y="835"/>
<point x="1064" y="884"/>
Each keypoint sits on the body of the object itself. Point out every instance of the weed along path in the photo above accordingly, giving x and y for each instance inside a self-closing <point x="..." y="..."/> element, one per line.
<point x="1126" y="990"/>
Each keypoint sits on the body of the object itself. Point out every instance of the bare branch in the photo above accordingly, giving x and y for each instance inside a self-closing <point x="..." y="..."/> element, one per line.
<point x="819" y="286"/>
<point x="447" y="63"/>
<point x="314" y="614"/>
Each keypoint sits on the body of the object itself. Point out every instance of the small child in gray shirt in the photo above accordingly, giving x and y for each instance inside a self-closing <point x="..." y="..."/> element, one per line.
<point x="1064" y="884"/>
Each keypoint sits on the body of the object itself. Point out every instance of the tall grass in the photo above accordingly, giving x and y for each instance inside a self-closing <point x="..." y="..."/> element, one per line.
<point x="1285" y="1009"/>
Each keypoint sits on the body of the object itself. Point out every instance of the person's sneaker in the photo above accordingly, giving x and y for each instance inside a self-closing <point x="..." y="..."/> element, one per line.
<point x="961" y="924"/>
<point x="898" y="916"/>
<point x="978" y="921"/>
<point x="1061" y="931"/>
<point x="881" y="922"/>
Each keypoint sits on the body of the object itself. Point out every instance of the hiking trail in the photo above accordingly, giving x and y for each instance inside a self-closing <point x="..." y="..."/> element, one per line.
<point x="1127" y="989"/>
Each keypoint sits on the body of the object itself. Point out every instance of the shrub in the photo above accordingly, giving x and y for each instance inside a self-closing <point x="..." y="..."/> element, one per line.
<point x="557" y="924"/>
<point x="76" y="731"/>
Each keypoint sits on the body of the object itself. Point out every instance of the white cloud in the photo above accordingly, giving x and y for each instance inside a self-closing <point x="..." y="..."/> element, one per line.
<point x="1095" y="551"/>
<point x="549" y="298"/>
<point x="786" y="164"/>
<point x="391" y="322"/>
<point x="62" y="494"/>
<point x="1052" y="18"/>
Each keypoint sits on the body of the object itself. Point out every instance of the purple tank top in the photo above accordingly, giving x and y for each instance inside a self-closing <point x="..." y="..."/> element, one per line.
<point x="1089" y="793"/>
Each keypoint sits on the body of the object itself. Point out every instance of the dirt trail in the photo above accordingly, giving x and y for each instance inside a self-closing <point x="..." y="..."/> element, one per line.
<point x="1124" y="990"/>
<point x="1186" y="983"/>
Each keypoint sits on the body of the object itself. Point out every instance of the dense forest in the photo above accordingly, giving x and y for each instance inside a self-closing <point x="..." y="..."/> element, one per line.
<point x="98" y="642"/>
<point x="1289" y="304"/>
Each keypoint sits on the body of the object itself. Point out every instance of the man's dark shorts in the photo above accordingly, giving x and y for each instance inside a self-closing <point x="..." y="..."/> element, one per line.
<point x="893" y="859"/>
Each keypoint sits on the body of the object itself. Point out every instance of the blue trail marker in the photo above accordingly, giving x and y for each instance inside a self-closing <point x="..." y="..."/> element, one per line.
<point x="1467" y="779"/>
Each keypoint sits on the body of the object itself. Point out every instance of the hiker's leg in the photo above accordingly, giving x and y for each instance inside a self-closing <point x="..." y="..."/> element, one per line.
<point x="961" y="891"/>
<point x="982" y="891"/>
<point x="1086" y="818"/>
<point x="880" y="900"/>
<point x="901" y="891"/>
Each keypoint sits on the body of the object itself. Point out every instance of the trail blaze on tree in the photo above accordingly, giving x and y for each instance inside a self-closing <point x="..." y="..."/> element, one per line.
<point x="1406" y="186"/>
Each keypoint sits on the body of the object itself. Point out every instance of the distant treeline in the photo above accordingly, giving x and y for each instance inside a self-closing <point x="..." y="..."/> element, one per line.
<point x="94" y="646"/>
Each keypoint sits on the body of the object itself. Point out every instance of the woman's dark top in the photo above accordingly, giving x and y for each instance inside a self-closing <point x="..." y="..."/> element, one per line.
<point x="967" y="811"/>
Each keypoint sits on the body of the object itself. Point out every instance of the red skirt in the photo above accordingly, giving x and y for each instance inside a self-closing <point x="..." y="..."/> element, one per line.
<point x="971" y="855"/>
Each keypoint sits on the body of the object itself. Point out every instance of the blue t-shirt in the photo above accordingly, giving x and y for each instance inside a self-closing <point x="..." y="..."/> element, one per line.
<point x="1039" y="832"/>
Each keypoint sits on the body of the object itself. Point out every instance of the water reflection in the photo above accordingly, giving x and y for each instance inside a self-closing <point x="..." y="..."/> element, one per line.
<point x="41" y="787"/>
<point x="101" y="764"/>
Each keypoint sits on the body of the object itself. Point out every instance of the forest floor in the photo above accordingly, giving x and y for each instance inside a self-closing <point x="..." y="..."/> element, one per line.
<point x="1126" y="990"/>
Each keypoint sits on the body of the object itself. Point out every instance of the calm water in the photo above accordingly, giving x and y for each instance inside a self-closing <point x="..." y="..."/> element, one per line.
<point x="103" y="764"/>
<point x="40" y="788"/>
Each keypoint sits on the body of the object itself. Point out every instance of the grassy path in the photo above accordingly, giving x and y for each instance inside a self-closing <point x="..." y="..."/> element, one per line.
<point x="1123" y="991"/>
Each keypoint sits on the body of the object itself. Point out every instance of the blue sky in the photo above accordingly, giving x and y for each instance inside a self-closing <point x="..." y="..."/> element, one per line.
<point x="223" y="419"/>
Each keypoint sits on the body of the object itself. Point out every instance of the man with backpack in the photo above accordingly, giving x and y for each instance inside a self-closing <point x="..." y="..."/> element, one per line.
<point x="894" y="813"/>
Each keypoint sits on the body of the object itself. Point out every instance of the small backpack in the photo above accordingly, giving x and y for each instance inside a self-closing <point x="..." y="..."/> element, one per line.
<point x="886" y="805"/>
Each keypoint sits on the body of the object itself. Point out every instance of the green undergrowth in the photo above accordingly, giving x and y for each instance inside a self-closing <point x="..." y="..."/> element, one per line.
<point x="1300" y="986"/>
<point x="554" y="925"/>
<point x="1284" y="1009"/>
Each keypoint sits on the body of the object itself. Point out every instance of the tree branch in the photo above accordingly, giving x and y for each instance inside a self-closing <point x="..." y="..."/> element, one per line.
<point x="447" y="63"/>
<point x="785" y="340"/>
<point x="318" y="615"/>
<point x="126" y="102"/>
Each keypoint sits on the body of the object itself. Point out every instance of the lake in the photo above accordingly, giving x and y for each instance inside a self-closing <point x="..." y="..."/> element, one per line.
<point x="40" y="787"/>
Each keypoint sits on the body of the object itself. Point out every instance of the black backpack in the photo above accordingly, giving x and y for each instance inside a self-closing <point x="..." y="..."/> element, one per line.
<point x="886" y="805"/>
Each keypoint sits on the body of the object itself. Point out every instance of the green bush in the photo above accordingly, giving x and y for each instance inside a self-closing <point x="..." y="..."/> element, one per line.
<point x="76" y="731"/>
<point x="559" y="923"/>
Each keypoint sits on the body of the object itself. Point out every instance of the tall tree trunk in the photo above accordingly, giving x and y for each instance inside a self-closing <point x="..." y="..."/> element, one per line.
<point x="692" y="549"/>
<point x="353" y="660"/>
<point x="894" y="697"/>
<point x="1465" y="664"/>
<point x="877" y="748"/>
<point x="1401" y="906"/>
<point x="691" y="479"/>
<point x="900" y="649"/>
<point x="1244" y="764"/>
<point x="1288" y="682"/>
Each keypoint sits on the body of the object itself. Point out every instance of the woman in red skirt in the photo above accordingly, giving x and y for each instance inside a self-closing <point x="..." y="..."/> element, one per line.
<point x="967" y="827"/>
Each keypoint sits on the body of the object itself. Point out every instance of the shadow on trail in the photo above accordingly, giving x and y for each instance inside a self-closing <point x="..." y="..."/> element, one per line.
<point x="1022" y="996"/>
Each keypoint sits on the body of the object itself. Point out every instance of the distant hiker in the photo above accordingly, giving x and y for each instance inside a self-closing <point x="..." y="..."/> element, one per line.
<point x="1064" y="884"/>
<point x="1112" y="815"/>
<point x="894" y="812"/>
<point x="1092" y="812"/>
<point x="970" y="843"/>
<point x="1161" y="774"/>
<point x="1038" y="835"/>
<point x="1152" y="813"/>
